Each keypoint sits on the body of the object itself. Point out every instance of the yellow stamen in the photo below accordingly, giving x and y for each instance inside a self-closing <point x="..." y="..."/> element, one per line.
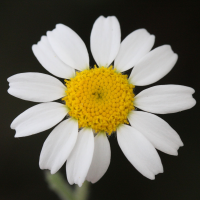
<point x="99" y="98"/>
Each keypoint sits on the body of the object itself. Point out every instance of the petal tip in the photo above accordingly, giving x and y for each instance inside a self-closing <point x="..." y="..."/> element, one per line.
<point x="60" y="25"/>
<point x="167" y="46"/>
<point x="41" y="166"/>
<point x="175" y="153"/>
<point x="181" y="144"/>
<point x="151" y="177"/>
<point x="80" y="183"/>
<point x="194" y="101"/>
<point x="11" y="126"/>
<point x="153" y="37"/>
<point x="33" y="47"/>
<point x="9" y="78"/>
<point x="43" y="37"/>
<point x="9" y="91"/>
<point x="48" y="33"/>
<point x="53" y="171"/>
<point x="17" y="135"/>
<point x="161" y="170"/>
<point x="101" y="16"/>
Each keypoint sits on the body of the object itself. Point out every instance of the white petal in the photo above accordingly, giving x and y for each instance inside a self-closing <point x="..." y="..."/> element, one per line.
<point x="105" y="40"/>
<point x="36" y="87"/>
<point x="50" y="61"/>
<point x="154" y="66"/>
<point x="59" y="145"/>
<point x="80" y="158"/>
<point x="133" y="48"/>
<point x="101" y="158"/>
<point x="139" y="151"/>
<point x="38" y="118"/>
<point x="157" y="131"/>
<point x="69" y="47"/>
<point x="163" y="99"/>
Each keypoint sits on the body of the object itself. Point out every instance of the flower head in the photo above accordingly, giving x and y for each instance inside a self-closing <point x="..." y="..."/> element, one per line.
<point x="100" y="101"/>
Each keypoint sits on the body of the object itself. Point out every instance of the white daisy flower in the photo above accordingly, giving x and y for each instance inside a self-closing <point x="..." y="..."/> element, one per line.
<point x="99" y="101"/>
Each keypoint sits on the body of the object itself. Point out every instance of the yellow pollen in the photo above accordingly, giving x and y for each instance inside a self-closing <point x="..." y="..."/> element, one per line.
<point x="99" y="98"/>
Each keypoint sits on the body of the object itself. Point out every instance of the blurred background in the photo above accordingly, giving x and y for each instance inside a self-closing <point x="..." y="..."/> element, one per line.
<point x="172" y="22"/>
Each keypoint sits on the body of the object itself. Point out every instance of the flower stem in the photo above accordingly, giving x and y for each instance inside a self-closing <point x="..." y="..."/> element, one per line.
<point x="82" y="193"/>
<point x="59" y="185"/>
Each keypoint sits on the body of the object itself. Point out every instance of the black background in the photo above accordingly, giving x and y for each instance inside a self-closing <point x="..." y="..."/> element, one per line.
<point x="172" y="22"/>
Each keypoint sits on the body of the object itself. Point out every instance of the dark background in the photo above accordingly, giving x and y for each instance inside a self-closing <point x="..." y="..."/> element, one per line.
<point x="24" y="22"/>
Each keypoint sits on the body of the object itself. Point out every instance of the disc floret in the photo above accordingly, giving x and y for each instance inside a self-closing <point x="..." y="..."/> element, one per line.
<point x="99" y="98"/>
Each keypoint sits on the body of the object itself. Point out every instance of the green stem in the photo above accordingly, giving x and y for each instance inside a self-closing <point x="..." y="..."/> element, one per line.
<point x="82" y="193"/>
<point x="59" y="185"/>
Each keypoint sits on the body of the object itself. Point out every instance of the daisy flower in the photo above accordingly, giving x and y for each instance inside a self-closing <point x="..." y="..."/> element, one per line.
<point x="100" y="101"/>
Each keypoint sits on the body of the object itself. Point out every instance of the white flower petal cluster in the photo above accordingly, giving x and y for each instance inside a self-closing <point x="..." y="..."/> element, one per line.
<point x="61" y="52"/>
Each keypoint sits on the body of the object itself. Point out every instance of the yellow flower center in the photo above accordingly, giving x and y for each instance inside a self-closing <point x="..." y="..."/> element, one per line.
<point x="99" y="98"/>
